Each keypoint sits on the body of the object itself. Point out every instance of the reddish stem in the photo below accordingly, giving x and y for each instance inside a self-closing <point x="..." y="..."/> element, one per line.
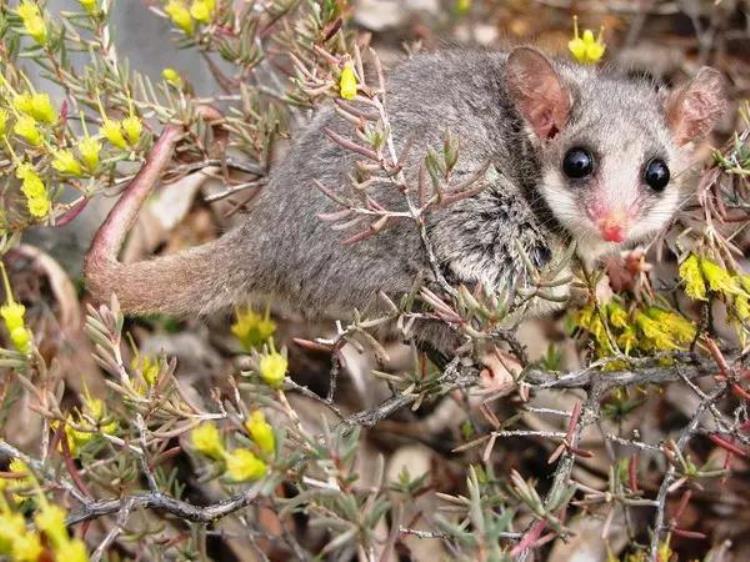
<point x="633" y="473"/>
<point x="529" y="538"/>
<point x="727" y="445"/>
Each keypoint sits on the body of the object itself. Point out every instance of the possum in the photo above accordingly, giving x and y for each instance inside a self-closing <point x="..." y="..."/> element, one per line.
<point x="577" y="153"/>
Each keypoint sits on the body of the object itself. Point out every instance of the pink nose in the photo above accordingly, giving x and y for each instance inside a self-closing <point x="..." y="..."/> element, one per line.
<point x="612" y="223"/>
<point x="612" y="232"/>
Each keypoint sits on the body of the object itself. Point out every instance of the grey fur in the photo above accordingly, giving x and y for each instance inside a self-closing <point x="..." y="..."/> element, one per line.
<point x="283" y="252"/>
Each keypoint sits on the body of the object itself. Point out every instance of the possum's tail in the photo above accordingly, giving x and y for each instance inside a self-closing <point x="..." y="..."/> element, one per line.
<point x="188" y="282"/>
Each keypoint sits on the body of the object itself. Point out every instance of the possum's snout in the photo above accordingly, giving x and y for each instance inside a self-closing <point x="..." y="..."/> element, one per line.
<point x="612" y="223"/>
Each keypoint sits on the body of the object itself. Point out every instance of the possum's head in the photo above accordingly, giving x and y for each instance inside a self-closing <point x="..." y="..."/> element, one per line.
<point x="612" y="150"/>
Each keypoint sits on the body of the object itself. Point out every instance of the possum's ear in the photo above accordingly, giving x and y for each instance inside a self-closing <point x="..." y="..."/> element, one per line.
<point x="538" y="91"/>
<point x="693" y="109"/>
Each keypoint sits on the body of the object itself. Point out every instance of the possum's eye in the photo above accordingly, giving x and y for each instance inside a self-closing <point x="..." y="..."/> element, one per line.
<point x="656" y="174"/>
<point x="578" y="163"/>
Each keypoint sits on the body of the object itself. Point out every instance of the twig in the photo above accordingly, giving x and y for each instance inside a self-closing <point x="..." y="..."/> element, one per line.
<point x="116" y="531"/>
<point x="156" y="500"/>
<point x="686" y="435"/>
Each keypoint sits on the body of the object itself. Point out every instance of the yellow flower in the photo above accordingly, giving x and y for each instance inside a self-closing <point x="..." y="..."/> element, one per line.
<point x="462" y="6"/>
<point x="28" y="9"/>
<point x="65" y="163"/>
<point x="253" y="329"/>
<point x="618" y="316"/>
<point x="203" y="10"/>
<point x="17" y="466"/>
<point x="22" y="103"/>
<point x="72" y="551"/>
<point x="273" y="368"/>
<point x="180" y="16"/>
<point x="33" y="188"/>
<point x="75" y="438"/>
<point x="21" y="339"/>
<point x="148" y="366"/>
<point x="12" y="525"/>
<point x="742" y="308"/>
<point x="3" y="122"/>
<point x="586" y="49"/>
<point x="718" y="278"/>
<point x="133" y="127"/>
<point x="37" y="106"/>
<point x="599" y="332"/>
<point x="348" y="82"/>
<point x="583" y="317"/>
<point x="13" y="317"/>
<point x="744" y="282"/>
<point x="664" y="553"/>
<point x="86" y="431"/>
<point x="95" y="408"/>
<point x="26" y="127"/>
<point x="657" y="335"/>
<point x="172" y="77"/>
<point x="680" y="328"/>
<point x="33" y="22"/>
<point x="690" y="273"/>
<point x="244" y="466"/>
<point x="13" y="314"/>
<point x="627" y="340"/>
<point x="112" y="131"/>
<point x="23" y="480"/>
<point x="91" y="6"/>
<point x="25" y="171"/>
<point x="89" y="149"/>
<point x="51" y="520"/>
<point x="206" y="440"/>
<point x="261" y="432"/>
<point x="27" y="548"/>
<point x="39" y="207"/>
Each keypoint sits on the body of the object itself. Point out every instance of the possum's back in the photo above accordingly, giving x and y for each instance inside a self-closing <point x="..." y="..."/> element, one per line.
<point x="427" y="95"/>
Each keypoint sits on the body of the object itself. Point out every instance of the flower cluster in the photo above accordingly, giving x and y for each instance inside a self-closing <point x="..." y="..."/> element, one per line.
<point x="89" y="423"/>
<point x="240" y="464"/>
<point x="32" y="186"/>
<point x="36" y="106"/>
<point x="20" y="484"/>
<point x="49" y="540"/>
<point x="34" y="118"/>
<point x="149" y="367"/>
<point x="703" y="278"/>
<point x="186" y="16"/>
<point x="44" y="142"/>
<point x="243" y="464"/>
<point x="614" y="327"/>
<point x="51" y="521"/>
<point x="124" y="134"/>
<point x="33" y="21"/>
<point x="84" y="164"/>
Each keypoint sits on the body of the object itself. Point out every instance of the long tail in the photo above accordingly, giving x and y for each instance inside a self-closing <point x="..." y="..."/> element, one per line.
<point x="180" y="284"/>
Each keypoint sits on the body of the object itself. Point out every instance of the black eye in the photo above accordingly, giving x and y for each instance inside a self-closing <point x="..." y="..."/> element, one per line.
<point x="656" y="175"/>
<point x="578" y="163"/>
